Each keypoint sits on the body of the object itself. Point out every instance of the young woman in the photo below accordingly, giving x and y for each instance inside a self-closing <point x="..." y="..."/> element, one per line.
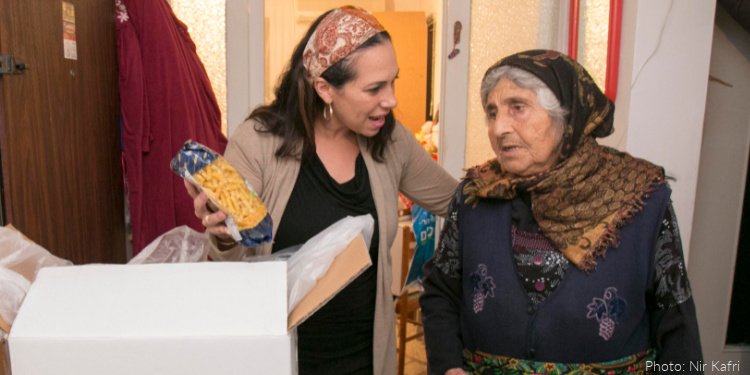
<point x="327" y="147"/>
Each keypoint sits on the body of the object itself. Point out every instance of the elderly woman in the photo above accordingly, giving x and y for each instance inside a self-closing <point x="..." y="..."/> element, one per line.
<point x="520" y="282"/>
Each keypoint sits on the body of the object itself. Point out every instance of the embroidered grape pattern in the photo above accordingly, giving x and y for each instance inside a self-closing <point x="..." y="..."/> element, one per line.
<point x="478" y="302"/>
<point x="483" y="286"/>
<point x="606" y="328"/>
<point x="608" y="311"/>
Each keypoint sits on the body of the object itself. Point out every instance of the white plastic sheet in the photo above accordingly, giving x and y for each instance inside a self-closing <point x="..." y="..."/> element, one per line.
<point x="20" y="261"/>
<point x="25" y="257"/>
<point x="13" y="289"/>
<point x="313" y="259"/>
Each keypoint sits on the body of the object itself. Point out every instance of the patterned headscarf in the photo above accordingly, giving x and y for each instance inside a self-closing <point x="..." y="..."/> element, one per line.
<point x="337" y="35"/>
<point x="582" y="202"/>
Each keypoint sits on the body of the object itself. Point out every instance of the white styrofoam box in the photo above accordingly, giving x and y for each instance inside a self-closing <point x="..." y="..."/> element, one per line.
<point x="194" y="318"/>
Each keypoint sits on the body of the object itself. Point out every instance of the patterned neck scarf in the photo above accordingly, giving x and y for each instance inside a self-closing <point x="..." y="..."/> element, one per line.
<point x="583" y="201"/>
<point x="336" y="36"/>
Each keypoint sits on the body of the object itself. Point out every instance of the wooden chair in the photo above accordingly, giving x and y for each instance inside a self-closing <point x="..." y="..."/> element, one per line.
<point x="407" y="304"/>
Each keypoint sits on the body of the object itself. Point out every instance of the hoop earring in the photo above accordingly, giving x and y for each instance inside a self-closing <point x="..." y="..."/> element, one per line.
<point x="328" y="109"/>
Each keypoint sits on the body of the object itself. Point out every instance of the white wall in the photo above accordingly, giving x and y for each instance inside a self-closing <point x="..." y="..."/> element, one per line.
<point x="665" y="52"/>
<point x="454" y="75"/>
<point x="245" y="63"/>
<point x="721" y="187"/>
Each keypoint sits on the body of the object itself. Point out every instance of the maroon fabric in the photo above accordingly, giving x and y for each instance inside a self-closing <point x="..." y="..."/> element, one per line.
<point x="166" y="99"/>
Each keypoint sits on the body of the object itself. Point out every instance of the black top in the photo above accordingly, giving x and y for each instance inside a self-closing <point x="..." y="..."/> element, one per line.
<point x="337" y="339"/>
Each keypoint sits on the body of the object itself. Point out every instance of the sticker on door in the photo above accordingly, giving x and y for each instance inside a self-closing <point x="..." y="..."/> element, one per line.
<point x="69" y="31"/>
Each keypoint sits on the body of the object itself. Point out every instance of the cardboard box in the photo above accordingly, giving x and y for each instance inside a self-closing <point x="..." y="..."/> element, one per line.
<point x="191" y="318"/>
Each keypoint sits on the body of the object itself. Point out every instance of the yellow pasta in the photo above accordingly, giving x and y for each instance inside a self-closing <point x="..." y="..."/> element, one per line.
<point x="225" y="186"/>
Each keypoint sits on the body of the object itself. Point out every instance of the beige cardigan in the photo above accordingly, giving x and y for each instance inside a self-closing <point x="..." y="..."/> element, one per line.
<point x="406" y="168"/>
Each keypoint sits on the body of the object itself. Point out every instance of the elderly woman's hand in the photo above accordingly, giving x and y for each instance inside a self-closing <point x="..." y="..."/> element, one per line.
<point x="456" y="371"/>
<point x="211" y="217"/>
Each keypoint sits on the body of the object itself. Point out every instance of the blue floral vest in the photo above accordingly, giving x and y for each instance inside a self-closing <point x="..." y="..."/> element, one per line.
<point x="595" y="317"/>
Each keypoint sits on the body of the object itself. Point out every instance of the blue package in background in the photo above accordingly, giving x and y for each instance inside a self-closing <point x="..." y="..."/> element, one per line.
<point x="423" y="224"/>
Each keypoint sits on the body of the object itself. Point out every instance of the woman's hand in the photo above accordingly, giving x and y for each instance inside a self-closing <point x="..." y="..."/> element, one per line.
<point x="211" y="217"/>
<point x="456" y="371"/>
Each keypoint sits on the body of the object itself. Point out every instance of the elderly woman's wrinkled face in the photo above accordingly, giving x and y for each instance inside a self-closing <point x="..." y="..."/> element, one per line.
<point x="522" y="134"/>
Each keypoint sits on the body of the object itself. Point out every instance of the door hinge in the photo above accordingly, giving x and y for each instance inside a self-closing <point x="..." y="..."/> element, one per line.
<point x="9" y="65"/>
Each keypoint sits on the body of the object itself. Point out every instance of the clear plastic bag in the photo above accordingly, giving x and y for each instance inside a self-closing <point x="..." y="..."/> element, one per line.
<point x="24" y="256"/>
<point x="13" y="288"/>
<point x="281" y="255"/>
<point x="20" y="261"/>
<point x="313" y="259"/>
<point x="179" y="245"/>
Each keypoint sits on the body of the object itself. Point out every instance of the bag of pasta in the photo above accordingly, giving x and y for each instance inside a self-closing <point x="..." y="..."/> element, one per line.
<point x="247" y="217"/>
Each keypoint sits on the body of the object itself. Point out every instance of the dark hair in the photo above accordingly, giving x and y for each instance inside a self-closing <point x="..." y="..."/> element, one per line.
<point x="297" y="105"/>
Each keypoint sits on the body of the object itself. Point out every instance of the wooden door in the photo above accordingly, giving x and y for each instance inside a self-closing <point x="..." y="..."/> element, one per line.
<point x="59" y="128"/>
<point x="409" y="34"/>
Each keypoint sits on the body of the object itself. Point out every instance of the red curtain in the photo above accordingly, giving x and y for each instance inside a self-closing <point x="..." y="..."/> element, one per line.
<point x="166" y="99"/>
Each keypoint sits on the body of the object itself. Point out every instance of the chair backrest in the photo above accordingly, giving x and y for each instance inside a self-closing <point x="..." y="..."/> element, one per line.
<point x="408" y="244"/>
<point x="405" y="305"/>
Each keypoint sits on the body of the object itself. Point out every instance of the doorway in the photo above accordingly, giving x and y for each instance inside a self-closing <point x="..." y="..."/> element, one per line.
<point x="59" y="134"/>
<point x="721" y="189"/>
